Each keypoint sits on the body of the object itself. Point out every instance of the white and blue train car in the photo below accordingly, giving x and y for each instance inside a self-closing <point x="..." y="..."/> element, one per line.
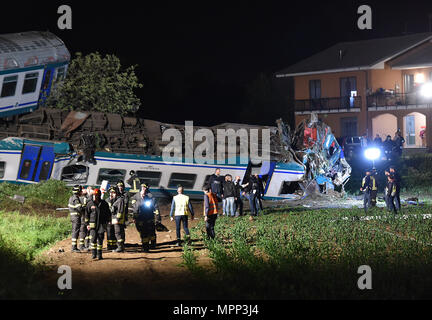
<point x="31" y="161"/>
<point x="31" y="63"/>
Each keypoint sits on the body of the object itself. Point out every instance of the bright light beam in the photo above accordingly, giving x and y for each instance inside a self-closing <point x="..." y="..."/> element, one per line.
<point x="426" y="90"/>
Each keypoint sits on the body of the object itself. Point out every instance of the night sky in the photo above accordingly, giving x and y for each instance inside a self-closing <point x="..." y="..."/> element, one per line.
<point x="213" y="61"/>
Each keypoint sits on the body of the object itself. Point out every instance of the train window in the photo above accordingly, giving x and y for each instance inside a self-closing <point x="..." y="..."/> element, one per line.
<point x="45" y="171"/>
<point x="25" y="170"/>
<point x="9" y="86"/>
<point x="112" y="175"/>
<point x="30" y="82"/>
<point x="60" y="74"/>
<point x="289" y="187"/>
<point x="2" y="168"/>
<point x="185" y="179"/>
<point x="75" y="173"/>
<point x="151" y="178"/>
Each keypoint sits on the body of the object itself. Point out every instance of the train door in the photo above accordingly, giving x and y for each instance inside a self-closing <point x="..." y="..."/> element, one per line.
<point x="36" y="163"/>
<point x="264" y="170"/>
<point x="46" y="83"/>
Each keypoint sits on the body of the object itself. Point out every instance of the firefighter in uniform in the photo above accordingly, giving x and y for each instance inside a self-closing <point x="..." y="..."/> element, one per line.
<point x="368" y="184"/>
<point x="126" y="197"/>
<point x="118" y="217"/>
<point x="84" y="233"/>
<point x="145" y="210"/>
<point x="98" y="214"/>
<point x="76" y="210"/>
<point x="134" y="182"/>
<point x="374" y="189"/>
<point x="111" y="238"/>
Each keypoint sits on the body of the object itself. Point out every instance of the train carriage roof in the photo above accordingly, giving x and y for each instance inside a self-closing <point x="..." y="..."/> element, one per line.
<point x="29" y="49"/>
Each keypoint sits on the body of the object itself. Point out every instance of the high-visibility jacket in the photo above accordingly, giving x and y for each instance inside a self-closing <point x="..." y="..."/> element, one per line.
<point x="117" y="210"/>
<point x="210" y="204"/>
<point x="181" y="206"/>
<point x="369" y="184"/>
<point x="135" y="184"/>
<point x="75" y="206"/>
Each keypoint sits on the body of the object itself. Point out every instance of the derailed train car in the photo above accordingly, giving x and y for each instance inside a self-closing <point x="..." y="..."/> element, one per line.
<point x="87" y="148"/>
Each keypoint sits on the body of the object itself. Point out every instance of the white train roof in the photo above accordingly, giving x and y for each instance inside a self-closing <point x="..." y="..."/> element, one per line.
<point x="29" y="49"/>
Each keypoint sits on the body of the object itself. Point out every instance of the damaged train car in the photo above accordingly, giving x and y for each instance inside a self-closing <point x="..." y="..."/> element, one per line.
<point x="88" y="147"/>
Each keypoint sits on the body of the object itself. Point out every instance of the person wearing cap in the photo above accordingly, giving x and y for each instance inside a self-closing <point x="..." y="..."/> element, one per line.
<point x="145" y="210"/>
<point x="84" y="235"/>
<point x="116" y="204"/>
<point x="98" y="214"/>
<point x="366" y="187"/>
<point x="134" y="182"/>
<point x="76" y="210"/>
<point x="122" y="193"/>
<point x="181" y="208"/>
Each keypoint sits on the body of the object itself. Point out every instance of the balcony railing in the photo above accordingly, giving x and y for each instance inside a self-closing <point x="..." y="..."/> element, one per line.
<point x="397" y="99"/>
<point x="341" y="104"/>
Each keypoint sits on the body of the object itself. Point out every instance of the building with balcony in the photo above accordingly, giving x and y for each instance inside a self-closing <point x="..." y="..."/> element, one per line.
<point x="374" y="86"/>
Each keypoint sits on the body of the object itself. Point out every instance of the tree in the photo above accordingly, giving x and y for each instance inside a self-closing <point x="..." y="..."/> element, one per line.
<point x="96" y="83"/>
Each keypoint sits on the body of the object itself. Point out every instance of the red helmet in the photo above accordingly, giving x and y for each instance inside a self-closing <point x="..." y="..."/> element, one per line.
<point x="97" y="192"/>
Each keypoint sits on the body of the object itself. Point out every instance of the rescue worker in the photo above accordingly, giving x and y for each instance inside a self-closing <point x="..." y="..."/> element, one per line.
<point x="390" y="192"/>
<point x="258" y="185"/>
<point x="117" y="217"/>
<point x="126" y="197"/>
<point x="76" y="210"/>
<point x="111" y="238"/>
<point x="134" y="182"/>
<point x="397" y="180"/>
<point x="181" y="208"/>
<point x="98" y="214"/>
<point x="84" y="235"/>
<point x="210" y="211"/>
<point x="366" y="187"/>
<point x="145" y="209"/>
<point x="374" y="190"/>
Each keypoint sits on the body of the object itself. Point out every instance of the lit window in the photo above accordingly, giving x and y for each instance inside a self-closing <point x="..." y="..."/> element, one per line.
<point x="9" y="86"/>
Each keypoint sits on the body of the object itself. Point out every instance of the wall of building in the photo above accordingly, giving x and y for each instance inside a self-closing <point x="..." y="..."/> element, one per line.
<point x="387" y="79"/>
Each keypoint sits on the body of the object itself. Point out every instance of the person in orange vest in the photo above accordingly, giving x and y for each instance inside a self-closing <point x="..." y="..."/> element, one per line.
<point x="210" y="211"/>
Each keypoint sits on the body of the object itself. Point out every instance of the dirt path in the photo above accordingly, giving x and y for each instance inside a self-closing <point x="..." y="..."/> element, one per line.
<point x="129" y="275"/>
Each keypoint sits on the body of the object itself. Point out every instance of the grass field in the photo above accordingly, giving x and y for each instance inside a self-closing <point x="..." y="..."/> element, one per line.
<point x="25" y="232"/>
<point x="301" y="254"/>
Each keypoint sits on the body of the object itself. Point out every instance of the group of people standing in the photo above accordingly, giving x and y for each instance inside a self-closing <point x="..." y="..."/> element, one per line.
<point x="391" y="191"/>
<point x="390" y="147"/>
<point x="92" y="216"/>
<point x="232" y="193"/>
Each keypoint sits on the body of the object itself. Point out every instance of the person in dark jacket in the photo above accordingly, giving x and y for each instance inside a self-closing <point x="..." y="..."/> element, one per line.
<point x="215" y="181"/>
<point x="98" y="214"/>
<point x="117" y="217"/>
<point x="389" y="194"/>
<point x="134" y="182"/>
<point x="229" y="194"/>
<point x="397" y="181"/>
<point x="251" y="193"/>
<point x="388" y="147"/>
<point x="76" y="210"/>
<point x="258" y="185"/>
<point x="366" y="187"/>
<point x="238" y="200"/>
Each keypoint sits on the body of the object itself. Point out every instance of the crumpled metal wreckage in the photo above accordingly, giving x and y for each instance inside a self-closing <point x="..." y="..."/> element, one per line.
<point x="313" y="145"/>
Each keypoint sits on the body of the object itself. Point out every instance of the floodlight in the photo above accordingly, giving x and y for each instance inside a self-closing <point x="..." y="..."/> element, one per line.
<point x="426" y="90"/>
<point x="372" y="153"/>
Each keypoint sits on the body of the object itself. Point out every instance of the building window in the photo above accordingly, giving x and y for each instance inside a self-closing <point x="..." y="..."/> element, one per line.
<point x="315" y="89"/>
<point x="150" y="178"/>
<point x="185" y="179"/>
<point x="349" y="127"/>
<point x="75" y="173"/>
<point x="112" y="175"/>
<point x="348" y="90"/>
<point x="409" y="83"/>
<point x="2" y="168"/>
<point x="9" y="86"/>
<point x="30" y="82"/>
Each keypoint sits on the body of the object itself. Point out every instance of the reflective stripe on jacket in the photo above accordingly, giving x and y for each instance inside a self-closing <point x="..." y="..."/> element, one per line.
<point x="210" y="204"/>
